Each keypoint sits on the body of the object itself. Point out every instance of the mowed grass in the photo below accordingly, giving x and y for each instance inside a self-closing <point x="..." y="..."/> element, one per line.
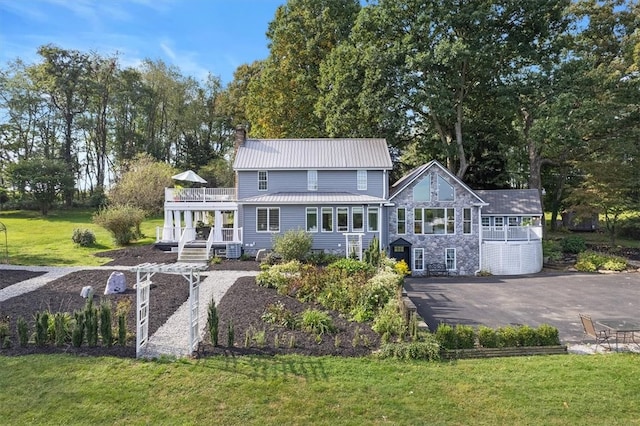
<point x="545" y="390"/>
<point x="33" y="239"/>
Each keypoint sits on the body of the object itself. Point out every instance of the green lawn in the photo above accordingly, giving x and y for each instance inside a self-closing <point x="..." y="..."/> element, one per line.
<point x="546" y="390"/>
<point x="36" y="240"/>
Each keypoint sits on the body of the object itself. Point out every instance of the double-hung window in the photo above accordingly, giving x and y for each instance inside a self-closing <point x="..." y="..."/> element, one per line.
<point x="450" y="258"/>
<point x="268" y="219"/>
<point x="312" y="219"/>
<point x="418" y="259"/>
<point x="402" y="220"/>
<point x="312" y="180"/>
<point x="263" y="180"/>
<point x="466" y="221"/>
<point x="343" y="219"/>
<point x="362" y="180"/>
<point x="357" y="219"/>
<point x="327" y="219"/>
<point x="372" y="219"/>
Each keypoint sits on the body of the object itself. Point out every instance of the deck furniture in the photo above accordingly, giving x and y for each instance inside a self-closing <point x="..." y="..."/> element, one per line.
<point x="601" y="336"/>
<point x="624" y="328"/>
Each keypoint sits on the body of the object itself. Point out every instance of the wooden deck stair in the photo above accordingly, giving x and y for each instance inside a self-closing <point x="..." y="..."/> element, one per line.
<point x="194" y="252"/>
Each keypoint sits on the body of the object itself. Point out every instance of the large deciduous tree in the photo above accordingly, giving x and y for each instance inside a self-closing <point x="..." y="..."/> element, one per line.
<point x="301" y="35"/>
<point x="426" y="67"/>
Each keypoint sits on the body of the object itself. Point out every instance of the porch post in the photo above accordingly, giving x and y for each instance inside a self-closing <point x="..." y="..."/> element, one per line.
<point x="177" y="225"/>
<point x="217" y="230"/>
<point x="168" y="224"/>
<point x="188" y="223"/>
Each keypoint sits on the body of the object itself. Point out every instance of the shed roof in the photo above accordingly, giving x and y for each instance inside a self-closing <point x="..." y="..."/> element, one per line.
<point x="511" y="202"/>
<point x="273" y="154"/>
<point x="313" y="198"/>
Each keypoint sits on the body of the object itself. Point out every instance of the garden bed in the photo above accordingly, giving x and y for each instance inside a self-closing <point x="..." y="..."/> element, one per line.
<point x="502" y="352"/>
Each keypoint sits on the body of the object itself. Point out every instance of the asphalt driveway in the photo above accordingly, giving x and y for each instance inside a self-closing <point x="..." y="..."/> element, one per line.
<point x="551" y="298"/>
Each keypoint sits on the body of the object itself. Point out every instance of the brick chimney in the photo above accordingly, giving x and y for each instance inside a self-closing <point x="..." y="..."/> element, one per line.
<point x="241" y="136"/>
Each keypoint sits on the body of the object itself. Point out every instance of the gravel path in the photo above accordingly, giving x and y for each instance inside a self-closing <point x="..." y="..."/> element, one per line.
<point x="172" y="338"/>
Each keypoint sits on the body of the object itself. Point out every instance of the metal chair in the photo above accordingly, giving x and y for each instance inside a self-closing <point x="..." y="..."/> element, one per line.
<point x="601" y="336"/>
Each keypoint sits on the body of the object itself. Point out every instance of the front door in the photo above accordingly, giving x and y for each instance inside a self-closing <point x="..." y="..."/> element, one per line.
<point x="402" y="253"/>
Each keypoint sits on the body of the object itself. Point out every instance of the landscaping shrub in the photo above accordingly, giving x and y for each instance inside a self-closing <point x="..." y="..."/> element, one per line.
<point x="123" y="222"/>
<point x="278" y="276"/>
<point x="527" y="336"/>
<point x="551" y="249"/>
<point x="401" y="268"/>
<point x="278" y="314"/>
<point x="77" y="334"/>
<point x="83" y="237"/>
<point x="446" y="336"/>
<point x="231" y="334"/>
<point x="293" y="244"/>
<point x="590" y="261"/>
<point x="123" y="307"/>
<point x="507" y="337"/>
<point x="42" y="328"/>
<point x="373" y="255"/>
<point x="4" y="330"/>
<point x="487" y="337"/>
<point x="426" y="348"/>
<point x="212" y="322"/>
<point x="321" y="258"/>
<point x="106" y="332"/>
<point x="629" y="227"/>
<point x="547" y="335"/>
<point x="316" y="322"/>
<point x="573" y="244"/>
<point x="465" y="336"/>
<point x="390" y="321"/>
<point x="61" y="328"/>
<point x="351" y="266"/>
<point x="91" y="323"/>
<point x="375" y="294"/>
<point x="23" y="331"/>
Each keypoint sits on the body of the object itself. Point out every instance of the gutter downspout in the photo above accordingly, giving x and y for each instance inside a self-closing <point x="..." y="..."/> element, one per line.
<point x="479" y="241"/>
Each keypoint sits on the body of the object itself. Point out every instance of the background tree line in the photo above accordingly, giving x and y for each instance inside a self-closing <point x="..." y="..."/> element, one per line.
<point x="506" y="93"/>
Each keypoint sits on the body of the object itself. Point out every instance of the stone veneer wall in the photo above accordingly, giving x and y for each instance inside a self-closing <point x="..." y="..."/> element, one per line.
<point x="467" y="246"/>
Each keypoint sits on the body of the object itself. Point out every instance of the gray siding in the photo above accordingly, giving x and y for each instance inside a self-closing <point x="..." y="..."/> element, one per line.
<point x="296" y="181"/>
<point x="294" y="217"/>
<point x="467" y="245"/>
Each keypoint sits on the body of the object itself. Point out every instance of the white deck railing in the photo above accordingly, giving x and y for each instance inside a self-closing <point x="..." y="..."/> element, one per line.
<point x="511" y="233"/>
<point x="199" y="194"/>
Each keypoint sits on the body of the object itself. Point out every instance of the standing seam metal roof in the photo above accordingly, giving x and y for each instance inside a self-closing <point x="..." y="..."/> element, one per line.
<point x="273" y="154"/>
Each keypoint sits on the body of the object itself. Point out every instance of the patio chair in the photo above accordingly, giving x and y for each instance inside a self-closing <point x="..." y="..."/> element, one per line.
<point x="601" y="336"/>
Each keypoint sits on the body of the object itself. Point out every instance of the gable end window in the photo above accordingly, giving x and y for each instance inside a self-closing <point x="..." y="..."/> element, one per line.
<point x="422" y="190"/>
<point x="445" y="190"/>
<point x="263" y="179"/>
<point x="312" y="180"/>
<point x="268" y="219"/>
<point x="362" y="180"/>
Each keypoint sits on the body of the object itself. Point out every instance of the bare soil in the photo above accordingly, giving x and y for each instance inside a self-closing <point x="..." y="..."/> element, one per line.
<point x="242" y="305"/>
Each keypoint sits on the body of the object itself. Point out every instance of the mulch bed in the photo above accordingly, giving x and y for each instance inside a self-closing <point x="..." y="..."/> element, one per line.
<point x="243" y="305"/>
<point x="10" y="277"/>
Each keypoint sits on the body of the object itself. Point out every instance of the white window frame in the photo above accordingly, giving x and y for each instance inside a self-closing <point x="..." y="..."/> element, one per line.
<point x="269" y="211"/>
<point x="467" y="222"/>
<point x="416" y="257"/>
<point x="486" y="221"/>
<point x="441" y="182"/>
<point x="263" y="180"/>
<point x="513" y="221"/>
<point x="498" y="222"/>
<point x="403" y="221"/>
<point x="354" y="211"/>
<point x="362" y="180"/>
<point x="373" y="225"/>
<point x="312" y="180"/>
<point x="450" y="259"/>
<point x="314" y="211"/>
<point x="426" y="182"/>
<point x="421" y="225"/>
<point x="322" y="212"/>
<point x="344" y="211"/>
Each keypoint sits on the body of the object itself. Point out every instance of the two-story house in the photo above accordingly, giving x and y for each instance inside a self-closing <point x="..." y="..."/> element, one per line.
<point x="338" y="191"/>
<point x="334" y="189"/>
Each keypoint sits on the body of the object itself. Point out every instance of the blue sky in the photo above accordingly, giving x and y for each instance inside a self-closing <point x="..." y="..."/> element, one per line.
<point x="198" y="36"/>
